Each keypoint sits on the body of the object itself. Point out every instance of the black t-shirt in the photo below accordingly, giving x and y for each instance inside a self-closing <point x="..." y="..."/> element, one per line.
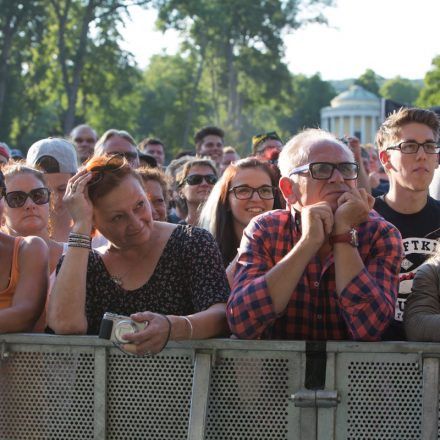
<point x="420" y="233"/>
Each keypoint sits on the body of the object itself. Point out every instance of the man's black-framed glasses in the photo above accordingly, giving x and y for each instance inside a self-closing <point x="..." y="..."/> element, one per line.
<point x="245" y="192"/>
<point x="16" y="199"/>
<point x="324" y="170"/>
<point x="411" y="147"/>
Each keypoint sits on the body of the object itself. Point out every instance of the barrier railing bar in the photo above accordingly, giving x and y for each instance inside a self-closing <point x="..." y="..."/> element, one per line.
<point x="100" y="397"/>
<point x="430" y="398"/>
<point x="200" y="396"/>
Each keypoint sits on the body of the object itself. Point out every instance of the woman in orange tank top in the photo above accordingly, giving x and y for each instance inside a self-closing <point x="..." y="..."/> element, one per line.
<point x="23" y="278"/>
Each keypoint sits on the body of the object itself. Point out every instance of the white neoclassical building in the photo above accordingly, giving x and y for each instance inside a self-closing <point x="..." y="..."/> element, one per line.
<point x="353" y="112"/>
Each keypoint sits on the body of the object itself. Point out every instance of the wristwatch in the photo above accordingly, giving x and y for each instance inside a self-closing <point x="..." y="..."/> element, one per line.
<point x="350" y="237"/>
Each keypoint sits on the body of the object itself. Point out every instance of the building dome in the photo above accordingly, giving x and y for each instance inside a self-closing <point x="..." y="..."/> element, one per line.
<point x="355" y="96"/>
<point x="355" y="112"/>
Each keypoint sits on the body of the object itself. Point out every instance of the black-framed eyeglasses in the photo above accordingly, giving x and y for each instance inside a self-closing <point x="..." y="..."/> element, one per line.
<point x="197" y="179"/>
<point x="411" y="147"/>
<point x="245" y="192"/>
<point x="114" y="163"/>
<point x="16" y="199"/>
<point x="324" y="170"/>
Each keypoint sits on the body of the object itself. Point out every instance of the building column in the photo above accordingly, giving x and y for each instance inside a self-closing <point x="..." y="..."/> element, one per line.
<point x="373" y="128"/>
<point x="341" y="126"/>
<point x="351" y="125"/>
<point x="362" y="139"/>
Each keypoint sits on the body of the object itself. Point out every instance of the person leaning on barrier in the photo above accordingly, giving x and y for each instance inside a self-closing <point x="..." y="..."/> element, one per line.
<point x="23" y="278"/>
<point x="422" y="311"/>
<point x="326" y="268"/>
<point x="153" y="271"/>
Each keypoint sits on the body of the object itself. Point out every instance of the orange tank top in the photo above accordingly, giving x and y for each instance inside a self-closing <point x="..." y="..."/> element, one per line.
<point x="7" y="294"/>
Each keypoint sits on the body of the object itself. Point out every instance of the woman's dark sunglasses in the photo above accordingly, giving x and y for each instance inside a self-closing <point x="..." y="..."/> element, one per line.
<point x="197" y="179"/>
<point x="16" y="199"/>
<point x="116" y="162"/>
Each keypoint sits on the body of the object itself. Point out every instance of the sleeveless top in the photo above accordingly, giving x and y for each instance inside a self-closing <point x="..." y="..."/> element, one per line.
<point x="7" y="294"/>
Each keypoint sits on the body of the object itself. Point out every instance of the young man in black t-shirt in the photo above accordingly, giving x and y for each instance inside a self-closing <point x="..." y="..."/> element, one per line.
<point x="408" y="150"/>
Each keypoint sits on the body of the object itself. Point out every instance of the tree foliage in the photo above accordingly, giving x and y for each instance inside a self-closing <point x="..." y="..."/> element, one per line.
<point x="61" y="64"/>
<point x="368" y="80"/>
<point x="430" y="94"/>
<point x="400" y="90"/>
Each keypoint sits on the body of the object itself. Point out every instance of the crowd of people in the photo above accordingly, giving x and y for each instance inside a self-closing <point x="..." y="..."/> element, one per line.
<point x="320" y="238"/>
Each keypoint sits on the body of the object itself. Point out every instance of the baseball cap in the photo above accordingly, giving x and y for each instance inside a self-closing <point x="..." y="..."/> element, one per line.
<point x="53" y="155"/>
<point x="16" y="154"/>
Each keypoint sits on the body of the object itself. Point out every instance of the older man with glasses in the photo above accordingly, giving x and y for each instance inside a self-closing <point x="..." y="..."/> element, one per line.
<point x="327" y="267"/>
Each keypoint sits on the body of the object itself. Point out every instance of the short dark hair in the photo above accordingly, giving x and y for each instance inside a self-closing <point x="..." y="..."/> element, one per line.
<point x="48" y="164"/>
<point x="206" y="131"/>
<point x="150" y="141"/>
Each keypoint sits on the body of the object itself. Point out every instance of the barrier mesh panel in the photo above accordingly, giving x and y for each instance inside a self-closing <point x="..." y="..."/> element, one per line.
<point x="46" y="396"/>
<point x="384" y="401"/>
<point x="149" y="398"/>
<point x="248" y="399"/>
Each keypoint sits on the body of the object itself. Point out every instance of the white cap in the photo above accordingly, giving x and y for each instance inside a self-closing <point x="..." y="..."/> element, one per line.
<point x="62" y="151"/>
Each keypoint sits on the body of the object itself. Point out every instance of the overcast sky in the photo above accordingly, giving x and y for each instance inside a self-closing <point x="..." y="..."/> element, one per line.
<point x="392" y="37"/>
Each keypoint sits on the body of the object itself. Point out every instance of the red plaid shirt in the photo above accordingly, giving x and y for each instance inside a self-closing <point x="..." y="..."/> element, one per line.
<point x="315" y="311"/>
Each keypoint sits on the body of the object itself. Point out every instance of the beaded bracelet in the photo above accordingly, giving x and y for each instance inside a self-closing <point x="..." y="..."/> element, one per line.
<point x="79" y="235"/>
<point x="79" y="240"/>
<point x="190" y="326"/>
<point x="79" y="245"/>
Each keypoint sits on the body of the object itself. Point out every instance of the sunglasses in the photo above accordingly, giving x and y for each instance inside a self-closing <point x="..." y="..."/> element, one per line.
<point x="115" y="163"/>
<point x="16" y="199"/>
<point x="197" y="179"/>
<point x="129" y="155"/>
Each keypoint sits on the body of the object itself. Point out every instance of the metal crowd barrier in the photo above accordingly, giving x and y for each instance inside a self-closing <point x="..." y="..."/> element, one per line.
<point x="80" y="387"/>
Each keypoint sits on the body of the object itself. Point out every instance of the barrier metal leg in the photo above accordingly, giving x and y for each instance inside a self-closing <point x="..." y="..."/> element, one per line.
<point x="200" y="395"/>
<point x="430" y="399"/>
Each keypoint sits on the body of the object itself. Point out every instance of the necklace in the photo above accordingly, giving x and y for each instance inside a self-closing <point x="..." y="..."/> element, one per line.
<point x="119" y="279"/>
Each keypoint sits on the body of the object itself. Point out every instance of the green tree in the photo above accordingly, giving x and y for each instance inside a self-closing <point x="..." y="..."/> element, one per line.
<point x="401" y="90"/>
<point x="166" y="94"/>
<point x="74" y="20"/>
<point x="237" y="45"/>
<point x="368" y="80"/>
<point x="22" y="24"/>
<point x="310" y="94"/>
<point x="430" y="93"/>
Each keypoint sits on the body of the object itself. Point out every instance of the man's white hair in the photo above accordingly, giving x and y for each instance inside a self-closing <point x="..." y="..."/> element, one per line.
<point x="296" y="151"/>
